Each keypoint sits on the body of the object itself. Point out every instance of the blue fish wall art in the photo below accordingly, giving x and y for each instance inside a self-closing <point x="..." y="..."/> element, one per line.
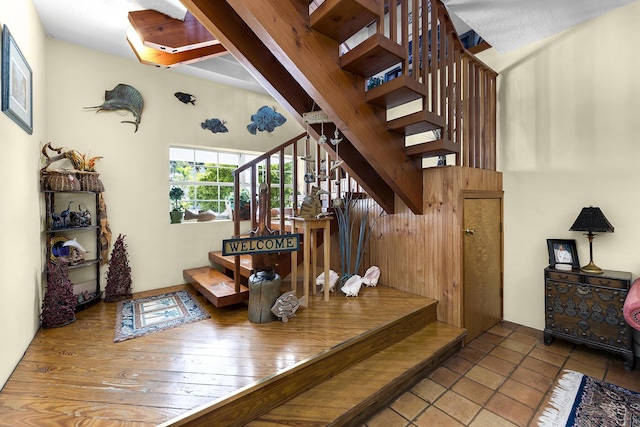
<point x="215" y="125"/>
<point x="265" y="119"/>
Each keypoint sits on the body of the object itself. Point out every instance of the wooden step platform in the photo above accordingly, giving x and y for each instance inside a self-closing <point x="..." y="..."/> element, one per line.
<point x="372" y="56"/>
<point x="355" y="395"/>
<point x="77" y="375"/>
<point x="354" y="378"/>
<point x="399" y="91"/>
<point x="340" y="19"/>
<point x="438" y="147"/>
<point x="216" y="287"/>
<point x="418" y="122"/>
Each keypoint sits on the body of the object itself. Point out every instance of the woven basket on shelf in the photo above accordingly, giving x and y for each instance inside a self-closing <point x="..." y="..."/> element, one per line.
<point x="60" y="180"/>
<point x="90" y="181"/>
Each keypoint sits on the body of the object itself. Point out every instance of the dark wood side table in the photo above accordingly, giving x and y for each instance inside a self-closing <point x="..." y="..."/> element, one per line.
<point x="586" y="308"/>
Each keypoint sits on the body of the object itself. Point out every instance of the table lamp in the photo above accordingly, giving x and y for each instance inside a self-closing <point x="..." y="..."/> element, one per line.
<point x="591" y="220"/>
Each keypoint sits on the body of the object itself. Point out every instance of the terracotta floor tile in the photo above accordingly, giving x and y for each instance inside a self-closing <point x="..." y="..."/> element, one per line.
<point x="434" y="417"/>
<point x="488" y="419"/>
<point x="550" y="357"/>
<point x="618" y="374"/>
<point x="525" y="338"/>
<point x="532" y="379"/>
<point x="409" y="405"/>
<point x="501" y="366"/>
<point x="486" y="377"/>
<point x="514" y="345"/>
<point x="428" y="390"/>
<point x="597" y="358"/>
<point x="509" y="325"/>
<point x="540" y="366"/>
<point x="471" y="354"/>
<point x="507" y="354"/>
<point x="472" y="390"/>
<point x="512" y="410"/>
<point x="444" y="376"/>
<point x="522" y="393"/>
<point x="559" y="346"/>
<point x="483" y="373"/>
<point x="387" y="418"/>
<point x="481" y="345"/>
<point x="458" y="364"/>
<point x="585" y="368"/>
<point x="492" y="338"/>
<point x="500" y="330"/>
<point x="457" y="406"/>
<point x="530" y="331"/>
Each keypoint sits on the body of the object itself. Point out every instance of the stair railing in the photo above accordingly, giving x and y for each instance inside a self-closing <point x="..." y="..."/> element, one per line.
<point x="460" y="88"/>
<point x="336" y="185"/>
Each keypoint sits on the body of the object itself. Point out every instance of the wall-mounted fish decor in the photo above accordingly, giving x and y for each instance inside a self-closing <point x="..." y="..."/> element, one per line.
<point x="185" y="98"/>
<point x="123" y="97"/>
<point x="215" y="125"/>
<point x="266" y="118"/>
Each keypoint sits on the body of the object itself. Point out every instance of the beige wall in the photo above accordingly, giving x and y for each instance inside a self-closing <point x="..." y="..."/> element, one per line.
<point x="20" y="251"/>
<point x="567" y="138"/>
<point x="134" y="169"/>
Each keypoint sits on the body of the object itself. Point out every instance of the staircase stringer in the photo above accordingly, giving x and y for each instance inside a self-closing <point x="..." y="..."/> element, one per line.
<point x="311" y="60"/>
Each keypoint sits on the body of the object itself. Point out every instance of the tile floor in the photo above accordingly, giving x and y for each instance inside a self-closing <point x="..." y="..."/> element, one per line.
<point x="501" y="378"/>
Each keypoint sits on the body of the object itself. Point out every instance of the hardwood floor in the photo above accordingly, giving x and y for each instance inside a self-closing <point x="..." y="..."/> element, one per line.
<point x="77" y="375"/>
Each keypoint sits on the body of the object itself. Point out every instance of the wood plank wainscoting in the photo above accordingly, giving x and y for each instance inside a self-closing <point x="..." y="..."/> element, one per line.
<point x="227" y="371"/>
<point x="424" y="254"/>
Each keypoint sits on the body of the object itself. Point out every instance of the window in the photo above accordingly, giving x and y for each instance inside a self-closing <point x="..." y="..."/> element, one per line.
<point x="206" y="176"/>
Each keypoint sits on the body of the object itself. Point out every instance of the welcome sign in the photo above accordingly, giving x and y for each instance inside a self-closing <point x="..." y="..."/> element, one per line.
<point x="261" y="244"/>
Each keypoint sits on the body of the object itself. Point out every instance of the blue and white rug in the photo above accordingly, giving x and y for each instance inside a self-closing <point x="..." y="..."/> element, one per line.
<point x="144" y="316"/>
<point x="582" y="401"/>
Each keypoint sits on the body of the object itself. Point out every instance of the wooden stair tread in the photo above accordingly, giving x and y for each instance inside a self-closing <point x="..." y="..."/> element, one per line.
<point x="438" y="147"/>
<point x="356" y="394"/>
<point x="215" y="286"/>
<point x="375" y="54"/>
<point x="340" y="19"/>
<point x="401" y="90"/>
<point x="228" y="262"/>
<point x="418" y="122"/>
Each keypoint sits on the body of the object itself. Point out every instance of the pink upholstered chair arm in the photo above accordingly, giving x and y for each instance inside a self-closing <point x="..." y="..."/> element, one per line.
<point x="631" y="308"/>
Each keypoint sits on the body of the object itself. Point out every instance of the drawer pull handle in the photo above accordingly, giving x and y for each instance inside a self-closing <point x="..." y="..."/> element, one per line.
<point x="470" y="231"/>
<point x="563" y="276"/>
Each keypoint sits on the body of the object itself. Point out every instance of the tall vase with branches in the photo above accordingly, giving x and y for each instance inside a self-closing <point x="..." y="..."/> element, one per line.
<point x="355" y="225"/>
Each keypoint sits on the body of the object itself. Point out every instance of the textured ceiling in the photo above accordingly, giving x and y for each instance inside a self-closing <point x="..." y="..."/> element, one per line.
<point x="511" y="24"/>
<point x="504" y="24"/>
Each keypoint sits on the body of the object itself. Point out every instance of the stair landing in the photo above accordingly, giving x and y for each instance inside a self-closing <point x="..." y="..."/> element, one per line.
<point x="216" y="287"/>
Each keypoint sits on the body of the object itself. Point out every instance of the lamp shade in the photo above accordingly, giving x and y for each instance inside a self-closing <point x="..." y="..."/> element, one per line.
<point x="592" y="219"/>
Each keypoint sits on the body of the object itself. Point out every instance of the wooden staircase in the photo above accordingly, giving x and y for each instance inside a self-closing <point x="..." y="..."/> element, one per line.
<point x="308" y="56"/>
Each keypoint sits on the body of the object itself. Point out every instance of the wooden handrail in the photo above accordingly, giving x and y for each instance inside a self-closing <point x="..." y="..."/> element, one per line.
<point x="253" y="167"/>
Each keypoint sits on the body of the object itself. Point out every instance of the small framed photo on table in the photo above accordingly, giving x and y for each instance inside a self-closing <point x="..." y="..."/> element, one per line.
<point x="563" y="254"/>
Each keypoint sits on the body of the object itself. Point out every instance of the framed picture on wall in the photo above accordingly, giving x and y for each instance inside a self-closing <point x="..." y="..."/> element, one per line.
<point x="17" y="83"/>
<point x="563" y="253"/>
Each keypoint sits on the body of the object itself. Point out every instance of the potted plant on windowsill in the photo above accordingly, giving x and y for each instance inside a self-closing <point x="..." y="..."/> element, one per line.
<point x="176" y="194"/>
<point x="245" y="204"/>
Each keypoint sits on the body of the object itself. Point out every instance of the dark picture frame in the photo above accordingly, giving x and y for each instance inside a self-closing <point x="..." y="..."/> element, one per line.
<point x="17" y="83"/>
<point x="554" y="246"/>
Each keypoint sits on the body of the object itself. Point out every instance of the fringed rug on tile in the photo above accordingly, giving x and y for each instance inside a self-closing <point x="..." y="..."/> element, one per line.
<point x="582" y="401"/>
<point x="144" y="316"/>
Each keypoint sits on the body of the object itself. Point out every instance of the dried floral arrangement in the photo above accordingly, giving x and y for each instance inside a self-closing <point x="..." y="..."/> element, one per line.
<point x="59" y="303"/>
<point x="118" y="286"/>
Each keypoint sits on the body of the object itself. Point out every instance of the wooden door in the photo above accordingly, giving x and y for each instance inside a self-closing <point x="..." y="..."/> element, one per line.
<point x="482" y="286"/>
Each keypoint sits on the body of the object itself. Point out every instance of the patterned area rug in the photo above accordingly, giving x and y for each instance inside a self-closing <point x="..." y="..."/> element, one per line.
<point x="144" y="316"/>
<point x="580" y="400"/>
